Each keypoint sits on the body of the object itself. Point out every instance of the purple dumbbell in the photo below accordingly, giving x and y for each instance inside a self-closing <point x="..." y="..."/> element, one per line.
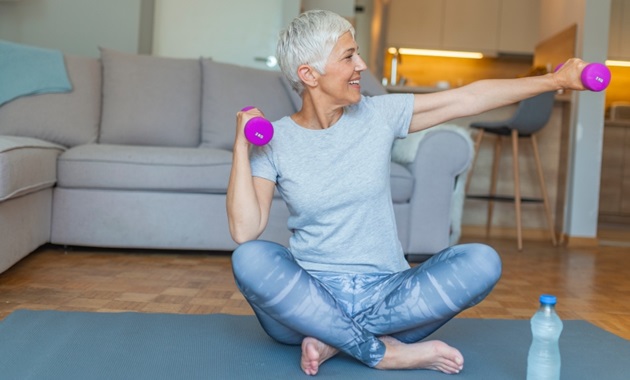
<point x="595" y="76"/>
<point x="258" y="130"/>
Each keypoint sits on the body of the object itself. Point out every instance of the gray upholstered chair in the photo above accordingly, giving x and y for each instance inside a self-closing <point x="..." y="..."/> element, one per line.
<point x="531" y="116"/>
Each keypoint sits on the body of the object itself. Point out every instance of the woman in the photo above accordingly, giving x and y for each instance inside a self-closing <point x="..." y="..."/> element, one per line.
<point x="343" y="283"/>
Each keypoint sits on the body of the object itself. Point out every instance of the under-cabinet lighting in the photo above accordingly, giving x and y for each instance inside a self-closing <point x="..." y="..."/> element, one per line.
<point x="618" y="63"/>
<point x="436" y="53"/>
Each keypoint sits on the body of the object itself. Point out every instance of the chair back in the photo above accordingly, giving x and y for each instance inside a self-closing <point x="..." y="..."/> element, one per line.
<point x="533" y="113"/>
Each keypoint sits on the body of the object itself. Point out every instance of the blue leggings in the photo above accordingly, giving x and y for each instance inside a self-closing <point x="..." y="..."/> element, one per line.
<point x="349" y="311"/>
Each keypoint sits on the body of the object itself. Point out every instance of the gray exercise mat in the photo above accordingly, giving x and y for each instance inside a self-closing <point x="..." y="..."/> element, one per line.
<point x="81" y="345"/>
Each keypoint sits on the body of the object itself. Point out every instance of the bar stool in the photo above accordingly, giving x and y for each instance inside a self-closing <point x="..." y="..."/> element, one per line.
<point x="531" y="116"/>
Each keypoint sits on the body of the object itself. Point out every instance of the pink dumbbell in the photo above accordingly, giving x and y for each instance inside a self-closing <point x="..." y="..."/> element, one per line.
<point x="258" y="130"/>
<point x="595" y="76"/>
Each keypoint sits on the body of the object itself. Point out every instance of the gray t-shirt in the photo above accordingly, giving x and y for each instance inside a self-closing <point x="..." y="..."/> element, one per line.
<point x="336" y="183"/>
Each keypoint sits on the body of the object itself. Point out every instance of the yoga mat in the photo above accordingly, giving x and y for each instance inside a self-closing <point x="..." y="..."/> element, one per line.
<point x="81" y="345"/>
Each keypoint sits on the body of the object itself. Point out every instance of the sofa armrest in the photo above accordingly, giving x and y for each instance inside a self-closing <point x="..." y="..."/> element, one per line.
<point x="442" y="159"/>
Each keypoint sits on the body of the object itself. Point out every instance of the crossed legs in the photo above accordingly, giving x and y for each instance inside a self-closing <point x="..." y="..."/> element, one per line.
<point x="379" y="319"/>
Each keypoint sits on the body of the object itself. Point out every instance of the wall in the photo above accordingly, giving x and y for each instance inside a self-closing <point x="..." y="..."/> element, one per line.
<point x="246" y="28"/>
<point x="378" y="27"/>
<point x="9" y="22"/>
<point x="363" y="29"/>
<point x="75" y="26"/>
<point x="235" y="31"/>
<point x="344" y="8"/>
<point x="229" y="31"/>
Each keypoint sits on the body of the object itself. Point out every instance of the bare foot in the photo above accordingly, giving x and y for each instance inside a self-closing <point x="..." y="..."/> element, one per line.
<point x="434" y="354"/>
<point x="314" y="353"/>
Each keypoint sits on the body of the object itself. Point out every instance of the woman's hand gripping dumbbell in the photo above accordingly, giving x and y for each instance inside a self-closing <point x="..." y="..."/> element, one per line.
<point x="594" y="76"/>
<point x="258" y="130"/>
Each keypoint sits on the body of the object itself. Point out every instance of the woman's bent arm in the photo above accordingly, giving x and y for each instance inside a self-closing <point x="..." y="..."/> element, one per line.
<point x="248" y="198"/>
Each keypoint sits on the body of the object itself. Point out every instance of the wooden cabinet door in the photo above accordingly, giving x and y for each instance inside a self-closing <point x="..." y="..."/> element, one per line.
<point x="415" y="23"/>
<point x="625" y="179"/>
<point x="614" y="34"/>
<point x="619" y="36"/>
<point x="471" y="25"/>
<point x="518" y="30"/>
<point x="612" y="173"/>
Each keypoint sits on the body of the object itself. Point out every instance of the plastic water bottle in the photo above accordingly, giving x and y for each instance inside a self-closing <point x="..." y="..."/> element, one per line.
<point x="543" y="361"/>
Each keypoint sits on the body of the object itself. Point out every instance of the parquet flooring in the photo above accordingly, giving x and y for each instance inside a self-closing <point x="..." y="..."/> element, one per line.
<point x="591" y="283"/>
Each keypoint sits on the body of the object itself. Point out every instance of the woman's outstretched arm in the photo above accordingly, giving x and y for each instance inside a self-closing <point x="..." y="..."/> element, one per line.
<point x="477" y="97"/>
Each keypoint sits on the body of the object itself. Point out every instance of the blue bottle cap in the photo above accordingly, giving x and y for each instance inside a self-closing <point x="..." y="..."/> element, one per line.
<point x="548" y="299"/>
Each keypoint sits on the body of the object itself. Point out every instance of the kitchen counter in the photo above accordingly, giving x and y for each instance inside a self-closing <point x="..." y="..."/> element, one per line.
<point x="413" y="89"/>
<point x="616" y="123"/>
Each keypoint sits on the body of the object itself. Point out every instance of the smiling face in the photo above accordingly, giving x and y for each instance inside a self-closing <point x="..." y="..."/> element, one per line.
<point x="343" y="72"/>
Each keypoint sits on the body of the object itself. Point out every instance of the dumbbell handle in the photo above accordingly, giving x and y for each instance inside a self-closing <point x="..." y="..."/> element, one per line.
<point x="595" y="76"/>
<point x="258" y="130"/>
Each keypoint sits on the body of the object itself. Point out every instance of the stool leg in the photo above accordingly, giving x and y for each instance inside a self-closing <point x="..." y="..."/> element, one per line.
<point x="517" y="189"/>
<point x="472" y="166"/>
<point x="543" y="188"/>
<point x="493" y="181"/>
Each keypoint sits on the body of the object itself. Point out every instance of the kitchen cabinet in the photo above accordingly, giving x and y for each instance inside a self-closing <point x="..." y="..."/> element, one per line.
<point x="415" y="23"/>
<point x="518" y="30"/>
<point x="619" y="38"/>
<point x="614" y="199"/>
<point x="471" y="25"/>
<point x="488" y="26"/>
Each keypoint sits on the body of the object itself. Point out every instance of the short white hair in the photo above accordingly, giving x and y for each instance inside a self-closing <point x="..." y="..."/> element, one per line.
<point x="309" y="39"/>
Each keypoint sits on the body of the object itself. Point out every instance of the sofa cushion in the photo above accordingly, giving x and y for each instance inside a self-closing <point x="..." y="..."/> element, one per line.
<point x="401" y="183"/>
<point x="26" y="165"/>
<point x="103" y="166"/>
<point x="68" y="119"/>
<point x="227" y="88"/>
<point x="150" y="100"/>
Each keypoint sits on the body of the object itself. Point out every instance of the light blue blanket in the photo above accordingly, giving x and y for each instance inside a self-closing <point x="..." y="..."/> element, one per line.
<point x="28" y="70"/>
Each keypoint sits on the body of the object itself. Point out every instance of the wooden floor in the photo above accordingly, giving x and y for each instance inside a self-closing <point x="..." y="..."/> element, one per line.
<point x="591" y="284"/>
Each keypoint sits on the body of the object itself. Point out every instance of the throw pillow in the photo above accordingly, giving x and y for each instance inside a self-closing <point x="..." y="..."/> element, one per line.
<point x="150" y="100"/>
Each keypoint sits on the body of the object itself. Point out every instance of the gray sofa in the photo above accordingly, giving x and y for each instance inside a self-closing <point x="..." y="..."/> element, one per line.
<point x="138" y="155"/>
